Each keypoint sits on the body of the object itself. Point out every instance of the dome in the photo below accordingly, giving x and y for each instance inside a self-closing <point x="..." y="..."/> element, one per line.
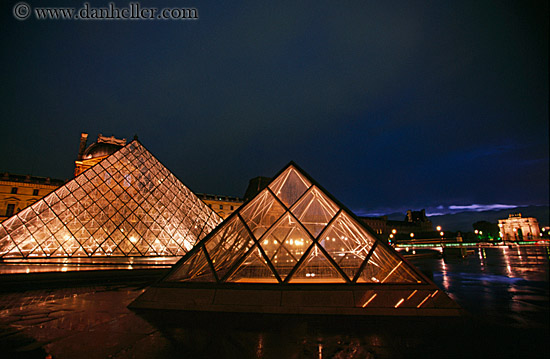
<point x="100" y="149"/>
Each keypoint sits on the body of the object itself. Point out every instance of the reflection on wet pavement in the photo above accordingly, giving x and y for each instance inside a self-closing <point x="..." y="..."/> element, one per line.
<point x="505" y="290"/>
<point x="504" y="284"/>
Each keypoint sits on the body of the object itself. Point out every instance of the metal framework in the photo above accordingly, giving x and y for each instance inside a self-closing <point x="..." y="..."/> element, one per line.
<point x="129" y="204"/>
<point x="293" y="232"/>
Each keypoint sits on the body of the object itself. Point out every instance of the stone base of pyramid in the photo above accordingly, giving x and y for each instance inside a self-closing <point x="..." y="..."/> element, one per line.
<point x="322" y="299"/>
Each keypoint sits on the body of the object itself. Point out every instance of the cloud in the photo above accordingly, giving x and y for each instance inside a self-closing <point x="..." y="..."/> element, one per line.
<point x="481" y="207"/>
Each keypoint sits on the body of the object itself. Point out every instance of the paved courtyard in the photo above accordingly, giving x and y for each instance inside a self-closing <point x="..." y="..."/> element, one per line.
<point x="93" y="322"/>
<point x="87" y="322"/>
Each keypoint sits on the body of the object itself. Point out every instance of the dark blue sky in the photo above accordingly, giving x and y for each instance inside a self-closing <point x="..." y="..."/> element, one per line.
<point x="389" y="106"/>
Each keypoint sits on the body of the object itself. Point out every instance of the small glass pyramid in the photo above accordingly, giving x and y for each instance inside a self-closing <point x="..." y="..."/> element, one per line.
<point x="129" y="204"/>
<point x="293" y="232"/>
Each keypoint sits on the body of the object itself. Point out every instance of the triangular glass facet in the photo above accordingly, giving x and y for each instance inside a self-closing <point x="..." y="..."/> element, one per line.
<point x="289" y="186"/>
<point x="316" y="268"/>
<point x="285" y="243"/>
<point x="229" y="245"/>
<point x="254" y="269"/>
<point x="315" y="210"/>
<point x="195" y="269"/>
<point x="261" y="213"/>
<point x="347" y="243"/>
<point x="386" y="267"/>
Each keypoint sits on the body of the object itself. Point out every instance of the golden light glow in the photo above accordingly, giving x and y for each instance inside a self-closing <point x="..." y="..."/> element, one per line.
<point x="399" y="303"/>
<point x="370" y="300"/>
<point x="422" y="302"/>
<point x="413" y="293"/>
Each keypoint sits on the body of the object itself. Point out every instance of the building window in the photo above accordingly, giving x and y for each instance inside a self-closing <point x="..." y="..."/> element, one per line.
<point x="221" y="206"/>
<point x="210" y="205"/>
<point x="231" y="207"/>
<point x="14" y="190"/>
<point x="35" y="192"/>
<point x="10" y="209"/>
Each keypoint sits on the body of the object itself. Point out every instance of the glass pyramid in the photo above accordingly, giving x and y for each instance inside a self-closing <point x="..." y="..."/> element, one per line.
<point x="129" y="204"/>
<point x="293" y="232"/>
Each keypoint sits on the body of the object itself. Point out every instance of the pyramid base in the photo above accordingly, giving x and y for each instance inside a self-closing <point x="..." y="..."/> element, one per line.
<point x="378" y="300"/>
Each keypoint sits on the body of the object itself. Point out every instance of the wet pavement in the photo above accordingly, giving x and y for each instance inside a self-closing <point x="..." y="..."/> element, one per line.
<point x="505" y="291"/>
<point x="88" y="322"/>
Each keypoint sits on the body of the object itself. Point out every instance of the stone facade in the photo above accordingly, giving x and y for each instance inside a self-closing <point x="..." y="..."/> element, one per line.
<point x="518" y="228"/>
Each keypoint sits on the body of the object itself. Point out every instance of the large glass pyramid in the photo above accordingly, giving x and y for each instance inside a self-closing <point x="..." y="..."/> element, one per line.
<point x="293" y="232"/>
<point x="129" y="204"/>
<point x="295" y="249"/>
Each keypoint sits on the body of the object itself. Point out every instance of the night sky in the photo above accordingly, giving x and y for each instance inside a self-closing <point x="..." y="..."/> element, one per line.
<point x="388" y="105"/>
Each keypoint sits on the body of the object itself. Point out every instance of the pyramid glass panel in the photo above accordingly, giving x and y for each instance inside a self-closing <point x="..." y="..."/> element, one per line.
<point x="285" y="243"/>
<point x="316" y="268"/>
<point x="196" y="269"/>
<point x="347" y="243"/>
<point x="254" y="269"/>
<point x="315" y="210"/>
<point x="289" y="186"/>
<point x="261" y="213"/>
<point x="94" y="215"/>
<point x="228" y="246"/>
<point x="384" y="267"/>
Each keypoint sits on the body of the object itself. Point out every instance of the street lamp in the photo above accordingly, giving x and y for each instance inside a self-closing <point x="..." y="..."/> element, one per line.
<point x="438" y="228"/>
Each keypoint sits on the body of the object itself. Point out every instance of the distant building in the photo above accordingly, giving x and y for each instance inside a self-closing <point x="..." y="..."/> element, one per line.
<point x="20" y="191"/>
<point x="415" y="222"/>
<point x="225" y="205"/>
<point x="222" y="205"/>
<point x="96" y="152"/>
<point x="255" y="185"/>
<point x="518" y="228"/>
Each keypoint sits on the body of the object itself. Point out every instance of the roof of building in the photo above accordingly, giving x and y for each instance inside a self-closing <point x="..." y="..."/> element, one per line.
<point x="6" y="176"/>
<point x="100" y="150"/>
<point x="219" y="197"/>
<point x="104" y="146"/>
